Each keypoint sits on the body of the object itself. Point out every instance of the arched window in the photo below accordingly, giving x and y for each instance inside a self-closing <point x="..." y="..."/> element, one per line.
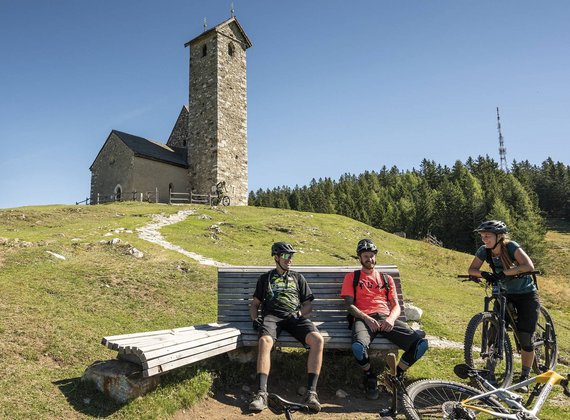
<point x="230" y="49"/>
<point x="118" y="193"/>
<point x="204" y="50"/>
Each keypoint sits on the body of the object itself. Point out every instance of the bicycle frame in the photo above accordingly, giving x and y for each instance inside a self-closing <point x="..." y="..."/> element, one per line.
<point x="514" y="400"/>
<point x="505" y="315"/>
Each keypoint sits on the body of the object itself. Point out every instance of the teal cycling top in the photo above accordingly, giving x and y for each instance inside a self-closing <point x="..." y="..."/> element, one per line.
<point x="513" y="285"/>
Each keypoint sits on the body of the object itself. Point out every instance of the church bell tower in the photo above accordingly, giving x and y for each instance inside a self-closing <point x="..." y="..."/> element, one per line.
<point x="217" y="124"/>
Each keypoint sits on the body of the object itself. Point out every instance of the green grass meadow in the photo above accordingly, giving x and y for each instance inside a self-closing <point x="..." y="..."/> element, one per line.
<point x="55" y="312"/>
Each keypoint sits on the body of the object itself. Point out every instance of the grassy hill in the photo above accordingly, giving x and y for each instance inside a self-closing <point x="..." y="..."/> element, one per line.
<point x="55" y="312"/>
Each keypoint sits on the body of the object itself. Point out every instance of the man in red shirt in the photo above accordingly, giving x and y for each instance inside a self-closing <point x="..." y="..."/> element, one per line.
<point x="372" y="301"/>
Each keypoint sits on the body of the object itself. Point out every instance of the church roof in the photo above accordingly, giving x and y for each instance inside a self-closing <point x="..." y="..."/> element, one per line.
<point x="153" y="150"/>
<point x="149" y="149"/>
<point x="246" y="40"/>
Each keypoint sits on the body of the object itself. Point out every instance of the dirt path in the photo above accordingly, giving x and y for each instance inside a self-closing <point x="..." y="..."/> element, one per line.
<point x="151" y="233"/>
<point x="233" y="404"/>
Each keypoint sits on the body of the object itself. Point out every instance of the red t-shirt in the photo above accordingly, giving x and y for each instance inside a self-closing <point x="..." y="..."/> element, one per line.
<point x="371" y="296"/>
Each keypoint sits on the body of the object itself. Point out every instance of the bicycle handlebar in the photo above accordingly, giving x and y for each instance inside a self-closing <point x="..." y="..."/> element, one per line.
<point x="279" y="405"/>
<point x="476" y="279"/>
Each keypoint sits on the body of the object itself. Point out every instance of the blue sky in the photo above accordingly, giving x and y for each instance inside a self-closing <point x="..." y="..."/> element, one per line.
<point x="334" y="86"/>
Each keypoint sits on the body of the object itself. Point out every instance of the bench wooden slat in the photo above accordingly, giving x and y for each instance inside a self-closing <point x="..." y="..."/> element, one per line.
<point x="205" y="347"/>
<point x="148" y="353"/>
<point x="234" y="292"/>
<point x="118" y="338"/>
<point x="189" y="360"/>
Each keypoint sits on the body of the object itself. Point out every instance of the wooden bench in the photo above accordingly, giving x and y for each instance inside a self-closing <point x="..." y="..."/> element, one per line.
<point x="160" y="351"/>
<point x="237" y="284"/>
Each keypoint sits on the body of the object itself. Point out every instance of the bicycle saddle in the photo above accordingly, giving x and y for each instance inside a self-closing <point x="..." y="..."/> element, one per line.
<point x="465" y="371"/>
<point x="280" y="405"/>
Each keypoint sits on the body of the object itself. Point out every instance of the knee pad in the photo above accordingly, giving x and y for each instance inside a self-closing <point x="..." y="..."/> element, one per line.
<point x="421" y="347"/>
<point x="359" y="351"/>
<point x="415" y="352"/>
<point x="526" y="341"/>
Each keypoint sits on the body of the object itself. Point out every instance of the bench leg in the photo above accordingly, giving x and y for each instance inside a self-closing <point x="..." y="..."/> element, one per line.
<point x="243" y="355"/>
<point x="119" y="380"/>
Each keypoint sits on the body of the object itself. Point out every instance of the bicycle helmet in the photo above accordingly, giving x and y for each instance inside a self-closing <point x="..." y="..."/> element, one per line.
<point x="282" y="247"/>
<point x="494" y="226"/>
<point x="366" y="245"/>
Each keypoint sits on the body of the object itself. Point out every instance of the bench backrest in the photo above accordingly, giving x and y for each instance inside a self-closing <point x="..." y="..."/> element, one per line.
<point x="236" y="286"/>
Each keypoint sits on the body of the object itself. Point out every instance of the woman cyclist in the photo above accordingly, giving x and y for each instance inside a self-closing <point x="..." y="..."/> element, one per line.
<point x="507" y="259"/>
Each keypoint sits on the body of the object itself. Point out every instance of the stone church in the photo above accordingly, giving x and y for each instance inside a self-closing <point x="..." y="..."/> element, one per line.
<point x="208" y="143"/>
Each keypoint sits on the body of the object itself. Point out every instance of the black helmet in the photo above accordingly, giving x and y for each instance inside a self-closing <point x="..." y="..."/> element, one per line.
<point x="494" y="226"/>
<point x="365" y="245"/>
<point x="282" y="247"/>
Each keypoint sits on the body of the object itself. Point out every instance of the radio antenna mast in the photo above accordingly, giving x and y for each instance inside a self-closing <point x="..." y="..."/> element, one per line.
<point x="502" y="148"/>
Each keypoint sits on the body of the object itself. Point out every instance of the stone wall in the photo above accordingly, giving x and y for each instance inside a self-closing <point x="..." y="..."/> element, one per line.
<point x="202" y="150"/>
<point x="113" y="166"/>
<point x="151" y="174"/>
<point x="232" y="114"/>
<point x="179" y="135"/>
<point x="218" y="113"/>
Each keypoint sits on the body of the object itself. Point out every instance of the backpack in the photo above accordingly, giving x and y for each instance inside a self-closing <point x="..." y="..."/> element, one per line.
<point x="386" y="286"/>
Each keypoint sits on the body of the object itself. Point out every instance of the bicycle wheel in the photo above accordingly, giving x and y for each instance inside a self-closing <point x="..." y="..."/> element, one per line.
<point x="545" y="347"/>
<point x="437" y="399"/>
<point x="226" y="200"/>
<point x="481" y="346"/>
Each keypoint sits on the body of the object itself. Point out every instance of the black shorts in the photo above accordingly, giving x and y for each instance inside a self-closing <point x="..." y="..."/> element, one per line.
<point x="298" y="327"/>
<point x="401" y="335"/>
<point x="528" y="309"/>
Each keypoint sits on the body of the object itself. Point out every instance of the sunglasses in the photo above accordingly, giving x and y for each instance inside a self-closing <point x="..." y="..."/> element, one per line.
<point x="286" y="256"/>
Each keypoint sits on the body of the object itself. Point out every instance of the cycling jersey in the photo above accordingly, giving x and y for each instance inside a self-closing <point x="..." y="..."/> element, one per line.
<point x="513" y="285"/>
<point x="282" y="295"/>
<point x="372" y="296"/>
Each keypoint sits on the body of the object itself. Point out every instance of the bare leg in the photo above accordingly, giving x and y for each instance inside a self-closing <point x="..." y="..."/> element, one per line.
<point x="316" y="343"/>
<point x="264" y="354"/>
<point x="527" y="357"/>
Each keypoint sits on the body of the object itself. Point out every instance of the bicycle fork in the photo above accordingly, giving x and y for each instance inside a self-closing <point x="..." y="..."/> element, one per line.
<point x="499" y="336"/>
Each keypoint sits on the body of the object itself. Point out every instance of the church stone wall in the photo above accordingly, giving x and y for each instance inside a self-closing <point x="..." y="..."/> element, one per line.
<point x="202" y="150"/>
<point x="179" y="135"/>
<point x="152" y="174"/>
<point x="232" y="114"/>
<point x="218" y="113"/>
<point x="113" y="166"/>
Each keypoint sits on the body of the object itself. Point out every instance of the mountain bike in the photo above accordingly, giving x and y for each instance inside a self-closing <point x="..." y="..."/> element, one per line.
<point x="280" y="405"/>
<point x="395" y="386"/>
<point x="487" y="344"/>
<point x="221" y="197"/>
<point x="437" y="399"/>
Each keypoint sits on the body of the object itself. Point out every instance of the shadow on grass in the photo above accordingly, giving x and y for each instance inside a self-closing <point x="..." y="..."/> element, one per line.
<point x="236" y="383"/>
<point x="86" y="399"/>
